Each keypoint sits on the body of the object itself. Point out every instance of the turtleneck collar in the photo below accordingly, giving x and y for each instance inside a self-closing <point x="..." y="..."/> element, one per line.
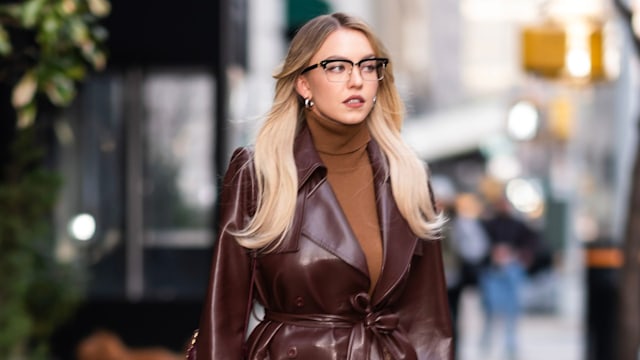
<point x="333" y="138"/>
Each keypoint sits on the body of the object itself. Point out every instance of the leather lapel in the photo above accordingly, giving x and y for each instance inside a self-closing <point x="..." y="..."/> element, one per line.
<point x="323" y="220"/>
<point x="326" y="225"/>
<point x="398" y="240"/>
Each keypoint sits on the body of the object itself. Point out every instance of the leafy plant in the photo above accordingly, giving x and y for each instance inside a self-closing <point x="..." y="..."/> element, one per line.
<point x="47" y="47"/>
<point x="36" y="292"/>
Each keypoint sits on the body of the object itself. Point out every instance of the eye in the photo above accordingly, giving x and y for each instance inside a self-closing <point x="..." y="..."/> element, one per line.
<point x="369" y="66"/>
<point x="336" y="67"/>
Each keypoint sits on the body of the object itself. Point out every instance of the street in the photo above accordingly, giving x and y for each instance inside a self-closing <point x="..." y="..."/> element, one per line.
<point x="550" y="335"/>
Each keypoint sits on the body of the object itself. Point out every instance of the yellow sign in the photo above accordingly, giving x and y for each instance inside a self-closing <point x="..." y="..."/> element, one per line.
<point x="564" y="51"/>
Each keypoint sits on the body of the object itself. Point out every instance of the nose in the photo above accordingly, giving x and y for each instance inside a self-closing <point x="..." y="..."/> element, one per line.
<point x="355" y="77"/>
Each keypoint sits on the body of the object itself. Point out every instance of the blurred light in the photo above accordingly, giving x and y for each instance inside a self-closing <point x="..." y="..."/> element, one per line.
<point x="525" y="196"/>
<point x="578" y="62"/>
<point x="82" y="227"/>
<point x="504" y="167"/>
<point x="578" y="55"/>
<point x="523" y="120"/>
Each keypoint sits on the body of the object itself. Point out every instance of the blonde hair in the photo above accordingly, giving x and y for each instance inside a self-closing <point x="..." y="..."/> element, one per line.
<point x="274" y="160"/>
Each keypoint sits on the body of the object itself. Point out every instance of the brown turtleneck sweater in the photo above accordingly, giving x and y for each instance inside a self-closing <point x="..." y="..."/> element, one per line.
<point x="343" y="150"/>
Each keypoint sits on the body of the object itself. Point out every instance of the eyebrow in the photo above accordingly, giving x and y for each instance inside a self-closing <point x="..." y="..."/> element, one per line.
<point x="338" y="57"/>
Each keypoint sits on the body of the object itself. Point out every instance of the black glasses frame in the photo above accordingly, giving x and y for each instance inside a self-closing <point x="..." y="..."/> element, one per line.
<point x="323" y="64"/>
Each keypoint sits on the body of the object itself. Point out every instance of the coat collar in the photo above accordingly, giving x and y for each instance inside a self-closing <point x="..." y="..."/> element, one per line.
<point x="308" y="160"/>
<point x="321" y="208"/>
<point x="306" y="157"/>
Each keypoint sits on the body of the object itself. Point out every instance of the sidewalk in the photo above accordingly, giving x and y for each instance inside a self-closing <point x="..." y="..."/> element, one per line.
<point x="553" y="336"/>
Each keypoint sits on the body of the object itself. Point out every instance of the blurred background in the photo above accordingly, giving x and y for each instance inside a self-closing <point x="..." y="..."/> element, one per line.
<point x="117" y="119"/>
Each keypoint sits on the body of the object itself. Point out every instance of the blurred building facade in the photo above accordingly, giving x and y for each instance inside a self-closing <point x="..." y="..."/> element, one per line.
<point x="140" y="153"/>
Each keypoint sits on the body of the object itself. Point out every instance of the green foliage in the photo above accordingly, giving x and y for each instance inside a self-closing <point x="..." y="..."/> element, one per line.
<point x="64" y="39"/>
<point x="46" y="48"/>
<point x="36" y="292"/>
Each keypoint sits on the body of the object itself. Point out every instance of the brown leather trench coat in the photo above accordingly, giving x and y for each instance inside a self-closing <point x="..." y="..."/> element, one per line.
<point x="314" y="288"/>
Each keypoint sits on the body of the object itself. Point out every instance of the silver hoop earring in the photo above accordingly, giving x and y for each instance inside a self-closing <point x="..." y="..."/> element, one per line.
<point x="375" y="99"/>
<point x="308" y="103"/>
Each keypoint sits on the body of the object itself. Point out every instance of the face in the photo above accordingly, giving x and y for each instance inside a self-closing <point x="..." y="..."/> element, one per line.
<point x="346" y="102"/>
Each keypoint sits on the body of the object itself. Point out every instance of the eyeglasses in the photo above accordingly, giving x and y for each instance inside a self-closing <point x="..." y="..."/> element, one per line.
<point x="339" y="70"/>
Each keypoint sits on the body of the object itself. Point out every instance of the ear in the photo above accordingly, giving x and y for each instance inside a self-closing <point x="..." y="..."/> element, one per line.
<point x="302" y="87"/>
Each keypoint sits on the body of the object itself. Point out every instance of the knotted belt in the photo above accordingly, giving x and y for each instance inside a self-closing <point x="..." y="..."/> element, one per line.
<point x="382" y="325"/>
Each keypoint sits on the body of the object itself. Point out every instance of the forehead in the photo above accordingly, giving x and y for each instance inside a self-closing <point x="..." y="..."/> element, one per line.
<point x="345" y="43"/>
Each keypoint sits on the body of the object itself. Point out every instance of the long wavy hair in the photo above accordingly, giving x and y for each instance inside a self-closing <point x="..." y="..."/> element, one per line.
<point x="277" y="181"/>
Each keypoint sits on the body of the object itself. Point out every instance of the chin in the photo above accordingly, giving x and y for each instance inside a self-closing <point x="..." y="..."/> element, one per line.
<point x="352" y="120"/>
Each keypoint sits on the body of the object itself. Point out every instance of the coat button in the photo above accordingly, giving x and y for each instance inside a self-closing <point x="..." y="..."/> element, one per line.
<point x="299" y="301"/>
<point x="292" y="352"/>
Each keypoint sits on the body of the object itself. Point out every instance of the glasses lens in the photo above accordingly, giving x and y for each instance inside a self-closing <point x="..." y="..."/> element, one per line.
<point x="372" y="70"/>
<point x="340" y="71"/>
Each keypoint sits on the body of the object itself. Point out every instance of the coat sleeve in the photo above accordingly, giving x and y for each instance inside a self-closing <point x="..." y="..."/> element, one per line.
<point x="222" y="323"/>
<point x="425" y="311"/>
<point x="424" y="307"/>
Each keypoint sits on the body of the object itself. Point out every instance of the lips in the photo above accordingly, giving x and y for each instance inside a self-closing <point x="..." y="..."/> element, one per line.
<point x="354" y="100"/>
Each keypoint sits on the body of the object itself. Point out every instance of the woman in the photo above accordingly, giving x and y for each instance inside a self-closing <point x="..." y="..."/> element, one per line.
<point x="328" y="221"/>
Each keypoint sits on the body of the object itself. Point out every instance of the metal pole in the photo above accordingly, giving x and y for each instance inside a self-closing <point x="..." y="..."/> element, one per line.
<point x="134" y="186"/>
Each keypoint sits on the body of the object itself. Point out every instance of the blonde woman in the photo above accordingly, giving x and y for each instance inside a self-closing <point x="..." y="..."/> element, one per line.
<point x="328" y="221"/>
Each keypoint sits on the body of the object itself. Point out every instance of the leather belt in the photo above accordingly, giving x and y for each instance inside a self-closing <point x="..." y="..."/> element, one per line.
<point x="365" y="323"/>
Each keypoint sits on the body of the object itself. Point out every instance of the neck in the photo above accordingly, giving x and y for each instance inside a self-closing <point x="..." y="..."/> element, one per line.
<point x="332" y="137"/>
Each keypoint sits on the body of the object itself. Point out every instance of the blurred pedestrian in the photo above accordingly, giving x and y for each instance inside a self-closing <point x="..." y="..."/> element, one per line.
<point x="469" y="246"/>
<point x="328" y="218"/>
<point x="469" y="237"/>
<point x="501" y="281"/>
